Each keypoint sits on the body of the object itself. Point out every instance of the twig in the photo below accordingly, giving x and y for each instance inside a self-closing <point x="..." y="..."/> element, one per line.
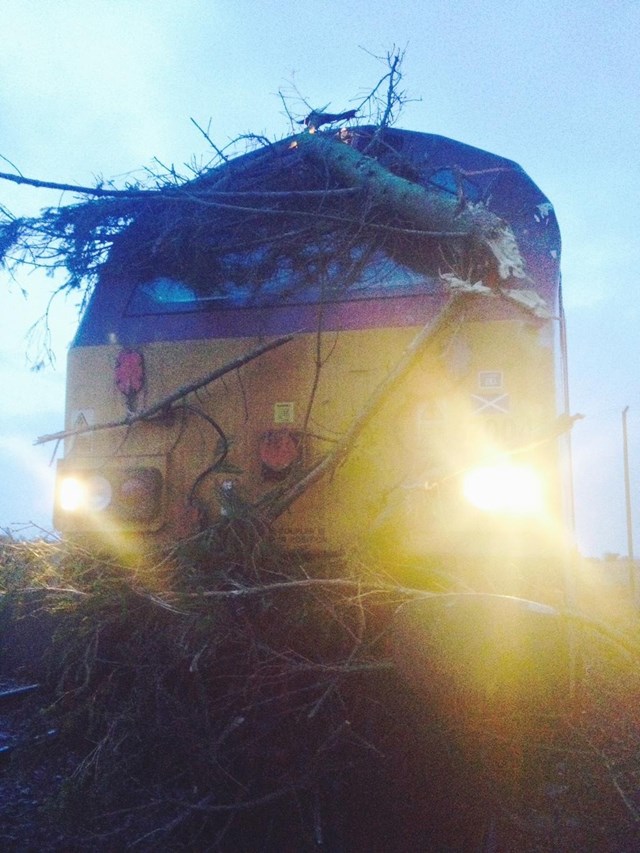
<point x="345" y="583"/>
<point x="54" y="590"/>
<point x="613" y="778"/>
<point x="74" y="188"/>
<point x="218" y="151"/>
<point x="205" y="805"/>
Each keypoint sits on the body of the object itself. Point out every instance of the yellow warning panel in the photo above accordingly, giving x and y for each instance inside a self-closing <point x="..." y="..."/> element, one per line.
<point x="283" y="413"/>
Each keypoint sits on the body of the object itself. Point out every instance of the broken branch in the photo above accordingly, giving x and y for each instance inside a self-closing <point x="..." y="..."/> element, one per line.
<point x="426" y="209"/>
<point x="168" y="401"/>
<point x="332" y="460"/>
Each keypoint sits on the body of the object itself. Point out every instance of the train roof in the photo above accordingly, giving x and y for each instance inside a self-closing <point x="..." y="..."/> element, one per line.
<point x="278" y="193"/>
<point x="276" y="223"/>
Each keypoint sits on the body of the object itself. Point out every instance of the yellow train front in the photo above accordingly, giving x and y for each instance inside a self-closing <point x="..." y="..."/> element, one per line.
<point x="365" y="386"/>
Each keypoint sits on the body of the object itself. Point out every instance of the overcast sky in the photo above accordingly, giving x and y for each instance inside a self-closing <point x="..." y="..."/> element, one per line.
<point x="101" y="88"/>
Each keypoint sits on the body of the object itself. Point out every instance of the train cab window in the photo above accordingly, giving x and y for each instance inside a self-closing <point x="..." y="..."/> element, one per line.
<point x="455" y="183"/>
<point x="380" y="278"/>
<point x="168" y="296"/>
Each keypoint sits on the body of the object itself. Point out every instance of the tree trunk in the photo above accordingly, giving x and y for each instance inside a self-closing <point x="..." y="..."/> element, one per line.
<point x="426" y="209"/>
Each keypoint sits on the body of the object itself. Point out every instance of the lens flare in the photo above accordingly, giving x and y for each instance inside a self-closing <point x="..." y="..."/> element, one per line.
<point x="504" y="488"/>
<point x="72" y="494"/>
<point x="87" y="494"/>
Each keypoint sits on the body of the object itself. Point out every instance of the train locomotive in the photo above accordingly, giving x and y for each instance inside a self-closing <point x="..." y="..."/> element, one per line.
<point x="289" y="339"/>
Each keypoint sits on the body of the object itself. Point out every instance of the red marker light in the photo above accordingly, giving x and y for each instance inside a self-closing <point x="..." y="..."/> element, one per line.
<point x="129" y="374"/>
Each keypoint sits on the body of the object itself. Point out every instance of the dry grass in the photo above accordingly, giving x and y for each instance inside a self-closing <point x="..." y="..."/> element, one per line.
<point x="235" y="699"/>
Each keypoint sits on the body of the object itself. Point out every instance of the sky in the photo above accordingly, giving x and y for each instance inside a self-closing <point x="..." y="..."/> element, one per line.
<point x="107" y="87"/>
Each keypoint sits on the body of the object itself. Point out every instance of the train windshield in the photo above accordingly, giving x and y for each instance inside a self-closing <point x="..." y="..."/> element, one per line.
<point x="246" y="280"/>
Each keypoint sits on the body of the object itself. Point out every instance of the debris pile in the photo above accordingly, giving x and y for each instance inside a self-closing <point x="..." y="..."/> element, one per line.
<point x="231" y="698"/>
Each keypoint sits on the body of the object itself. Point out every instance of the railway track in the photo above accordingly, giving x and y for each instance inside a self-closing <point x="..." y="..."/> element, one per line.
<point x="14" y="732"/>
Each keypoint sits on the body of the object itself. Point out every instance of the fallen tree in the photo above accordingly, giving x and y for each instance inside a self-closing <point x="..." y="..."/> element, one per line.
<point x="423" y="208"/>
<point x="350" y="186"/>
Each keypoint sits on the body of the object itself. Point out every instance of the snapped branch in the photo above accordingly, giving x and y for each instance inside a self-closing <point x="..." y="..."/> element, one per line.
<point x="168" y="401"/>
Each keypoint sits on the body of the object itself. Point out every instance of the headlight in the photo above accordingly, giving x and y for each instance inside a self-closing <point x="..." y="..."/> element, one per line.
<point x="71" y="494"/>
<point x="85" y="494"/>
<point x="122" y="494"/>
<point x="504" y="488"/>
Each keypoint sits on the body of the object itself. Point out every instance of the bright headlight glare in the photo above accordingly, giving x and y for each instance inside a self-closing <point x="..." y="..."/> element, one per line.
<point x="71" y="494"/>
<point x="85" y="494"/>
<point x="504" y="488"/>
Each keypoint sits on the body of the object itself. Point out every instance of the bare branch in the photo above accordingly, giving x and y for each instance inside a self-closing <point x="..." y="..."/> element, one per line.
<point x="329" y="462"/>
<point x="168" y="401"/>
<point x="205" y="133"/>
<point x="102" y="192"/>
